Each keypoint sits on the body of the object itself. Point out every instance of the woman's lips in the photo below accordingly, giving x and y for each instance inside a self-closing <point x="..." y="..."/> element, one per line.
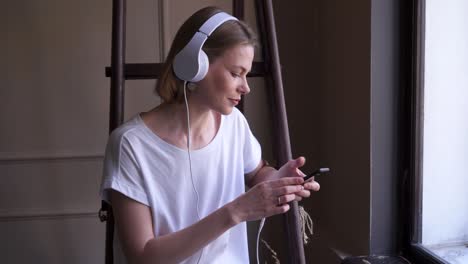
<point x="235" y="101"/>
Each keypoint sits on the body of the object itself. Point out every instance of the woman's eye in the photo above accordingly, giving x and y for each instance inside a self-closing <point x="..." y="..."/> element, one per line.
<point x="235" y="74"/>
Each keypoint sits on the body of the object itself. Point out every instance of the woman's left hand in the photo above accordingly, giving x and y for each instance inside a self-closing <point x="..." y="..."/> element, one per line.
<point x="291" y="169"/>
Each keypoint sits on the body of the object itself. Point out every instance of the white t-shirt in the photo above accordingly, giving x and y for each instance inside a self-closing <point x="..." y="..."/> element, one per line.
<point x="145" y="168"/>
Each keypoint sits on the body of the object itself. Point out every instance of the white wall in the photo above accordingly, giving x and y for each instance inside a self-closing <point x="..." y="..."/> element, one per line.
<point x="445" y="165"/>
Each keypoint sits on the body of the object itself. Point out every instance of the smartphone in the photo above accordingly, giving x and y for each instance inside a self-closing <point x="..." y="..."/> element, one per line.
<point x="317" y="172"/>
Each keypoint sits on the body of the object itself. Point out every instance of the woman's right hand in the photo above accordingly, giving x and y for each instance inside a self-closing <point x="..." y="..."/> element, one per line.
<point x="266" y="199"/>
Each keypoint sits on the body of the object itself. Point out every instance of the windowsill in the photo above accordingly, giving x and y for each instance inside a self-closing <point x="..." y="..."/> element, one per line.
<point x="454" y="254"/>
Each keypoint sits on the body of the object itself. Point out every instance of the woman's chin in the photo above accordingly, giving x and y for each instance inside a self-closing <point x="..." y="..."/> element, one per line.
<point x="225" y="111"/>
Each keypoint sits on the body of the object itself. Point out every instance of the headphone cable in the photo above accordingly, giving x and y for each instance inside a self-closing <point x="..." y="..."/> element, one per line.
<point x="260" y="227"/>
<point x="190" y="159"/>
<point x="262" y="222"/>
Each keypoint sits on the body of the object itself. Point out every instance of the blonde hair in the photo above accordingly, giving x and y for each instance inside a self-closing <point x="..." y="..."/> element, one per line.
<point x="229" y="34"/>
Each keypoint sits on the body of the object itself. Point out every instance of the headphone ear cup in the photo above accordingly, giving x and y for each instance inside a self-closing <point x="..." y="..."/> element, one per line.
<point x="190" y="59"/>
<point x="191" y="63"/>
<point x="203" y="65"/>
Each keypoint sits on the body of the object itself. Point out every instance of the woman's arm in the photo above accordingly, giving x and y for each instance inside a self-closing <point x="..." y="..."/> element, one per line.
<point x="135" y="228"/>
<point x="134" y="222"/>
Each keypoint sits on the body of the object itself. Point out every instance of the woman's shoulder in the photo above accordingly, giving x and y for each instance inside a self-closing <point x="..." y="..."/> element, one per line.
<point x="130" y="129"/>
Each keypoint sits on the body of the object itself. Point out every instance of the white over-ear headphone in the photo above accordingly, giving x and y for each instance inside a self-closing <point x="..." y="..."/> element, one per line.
<point x="191" y="63"/>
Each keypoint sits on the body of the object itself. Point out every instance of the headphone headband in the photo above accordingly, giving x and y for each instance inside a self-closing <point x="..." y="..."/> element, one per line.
<point x="214" y="22"/>
<point x="191" y="63"/>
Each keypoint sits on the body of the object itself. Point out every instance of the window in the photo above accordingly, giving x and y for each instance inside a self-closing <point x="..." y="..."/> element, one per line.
<point x="440" y="153"/>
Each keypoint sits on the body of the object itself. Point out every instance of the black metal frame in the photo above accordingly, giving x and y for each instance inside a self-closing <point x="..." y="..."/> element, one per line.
<point x="412" y="247"/>
<point x="269" y="68"/>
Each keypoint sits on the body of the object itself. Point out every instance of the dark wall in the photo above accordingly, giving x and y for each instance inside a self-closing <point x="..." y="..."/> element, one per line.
<point x="340" y="77"/>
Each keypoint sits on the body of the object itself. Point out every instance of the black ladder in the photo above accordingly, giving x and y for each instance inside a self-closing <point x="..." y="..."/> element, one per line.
<point x="269" y="69"/>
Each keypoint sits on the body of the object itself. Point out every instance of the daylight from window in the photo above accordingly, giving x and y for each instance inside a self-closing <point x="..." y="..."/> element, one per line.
<point x="445" y="149"/>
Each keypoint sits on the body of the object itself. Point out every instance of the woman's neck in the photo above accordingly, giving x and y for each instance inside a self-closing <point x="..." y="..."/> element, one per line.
<point x="169" y="121"/>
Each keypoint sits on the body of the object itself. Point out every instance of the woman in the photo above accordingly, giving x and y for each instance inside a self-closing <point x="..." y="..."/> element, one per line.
<point x="175" y="175"/>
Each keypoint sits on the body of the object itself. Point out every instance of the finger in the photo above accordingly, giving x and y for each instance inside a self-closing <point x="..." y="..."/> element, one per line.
<point x="313" y="185"/>
<point x="285" y="181"/>
<point x="280" y="209"/>
<point x="296" y="163"/>
<point x="298" y="198"/>
<point x="303" y="193"/>
<point x="286" y="199"/>
<point x="300" y="173"/>
<point x="287" y="190"/>
<point x="300" y="162"/>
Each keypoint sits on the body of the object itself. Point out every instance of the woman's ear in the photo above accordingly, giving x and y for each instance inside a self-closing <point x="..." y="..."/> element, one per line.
<point x="191" y="86"/>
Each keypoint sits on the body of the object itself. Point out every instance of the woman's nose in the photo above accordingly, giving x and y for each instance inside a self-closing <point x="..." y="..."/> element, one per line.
<point x="244" y="88"/>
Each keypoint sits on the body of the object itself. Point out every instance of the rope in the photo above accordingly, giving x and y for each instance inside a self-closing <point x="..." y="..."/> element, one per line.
<point x="307" y="226"/>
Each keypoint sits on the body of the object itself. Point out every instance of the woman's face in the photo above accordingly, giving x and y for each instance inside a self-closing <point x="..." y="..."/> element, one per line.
<point x="226" y="80"/>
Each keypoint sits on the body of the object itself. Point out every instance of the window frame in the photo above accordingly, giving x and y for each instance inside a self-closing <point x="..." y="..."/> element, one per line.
<point x="413" y="248"/>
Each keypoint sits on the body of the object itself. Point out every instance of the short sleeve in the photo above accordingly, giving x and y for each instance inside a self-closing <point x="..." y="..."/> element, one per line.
<point x="252" y="151"/>
<point x="121" y="170"/>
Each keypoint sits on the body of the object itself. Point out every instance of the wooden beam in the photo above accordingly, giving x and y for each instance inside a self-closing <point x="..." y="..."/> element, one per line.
<point x="136" y="71"/>
<point x="282" y="146"/>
